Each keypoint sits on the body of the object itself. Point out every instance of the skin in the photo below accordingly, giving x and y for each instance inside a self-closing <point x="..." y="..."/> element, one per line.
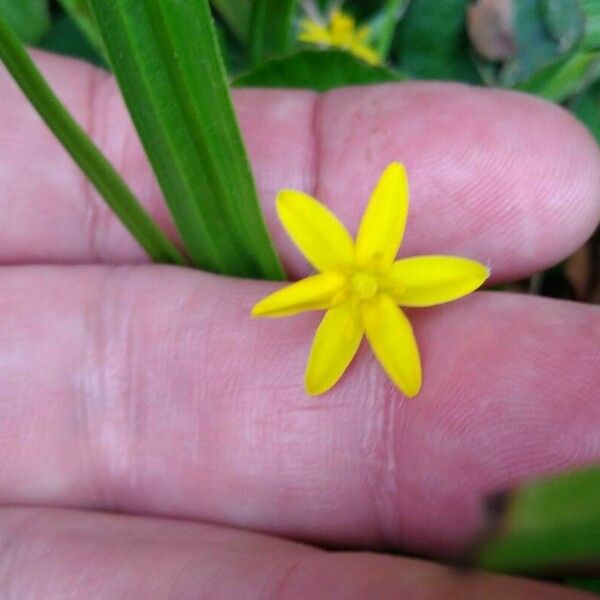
<point x="148" y="390"/>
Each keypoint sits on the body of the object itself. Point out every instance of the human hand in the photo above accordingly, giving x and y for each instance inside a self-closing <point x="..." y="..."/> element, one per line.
<point x="149" y="391"/>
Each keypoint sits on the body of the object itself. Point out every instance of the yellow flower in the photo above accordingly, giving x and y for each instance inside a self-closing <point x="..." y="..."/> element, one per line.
<point x="340" y="32"/>
<point x="360" y="285"/>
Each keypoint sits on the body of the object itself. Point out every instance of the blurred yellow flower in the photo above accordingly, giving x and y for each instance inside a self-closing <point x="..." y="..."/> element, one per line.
<point x="340" y="32"/>
<point x="360" y="284"/>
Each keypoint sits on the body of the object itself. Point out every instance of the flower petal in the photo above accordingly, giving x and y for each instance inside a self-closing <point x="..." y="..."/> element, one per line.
<point x="336" y="342"/>
<point x="430" y="280"/>
<point x="382" y="226"/>
<point x="316" y="231"/>
<point x="391" y="336"/>
<point x="312" y="32"/>
<point x="312" y="293"/>
<point x="366" y="53"/>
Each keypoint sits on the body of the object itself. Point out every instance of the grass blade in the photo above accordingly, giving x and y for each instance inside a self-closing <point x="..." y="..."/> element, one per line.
<point x="167" y="61"/>
<point x="91" y="161"/>
<point x="548" y="526"/>
<point x="271" y="29"/>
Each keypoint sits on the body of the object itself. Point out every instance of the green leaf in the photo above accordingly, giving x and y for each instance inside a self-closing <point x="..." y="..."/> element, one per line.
<point x="384" y="24"/>
<point x="65" y="37"/>
<point x="591" y="12"/>
<point x="30" y="19"/>
<point x="433" y="43"/>
<point x="537" y="47"/>
<point x="84" y="152"/>
<point x="272" y="28"/>
<point x="166" y="59"/>
<point x="236" y="14"/>
<point x="318" y="70"/>
<point x="593" y="585"/>
<point x="564" y="21"/>
<point x="81" y="13"/>
<point x="549" y="525"/>
<point x="565" y="78"/>
<point x="587" y="109"/>
<point x="556" y="56"/>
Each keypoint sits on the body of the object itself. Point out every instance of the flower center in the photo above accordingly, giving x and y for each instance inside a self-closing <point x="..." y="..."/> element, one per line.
<point x="341" y="28"/>
<point x="364" y="285"/>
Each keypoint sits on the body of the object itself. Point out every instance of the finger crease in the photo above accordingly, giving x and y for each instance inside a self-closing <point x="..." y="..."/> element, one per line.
<point x="317" y="146"/>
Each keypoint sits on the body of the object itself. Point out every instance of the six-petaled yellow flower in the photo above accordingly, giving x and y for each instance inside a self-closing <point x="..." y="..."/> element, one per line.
<point x="361" y="285"/>
<point x="340" y="32"/>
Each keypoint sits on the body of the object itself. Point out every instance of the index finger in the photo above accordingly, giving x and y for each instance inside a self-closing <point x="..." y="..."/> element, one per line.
<point x="496" y="176"/>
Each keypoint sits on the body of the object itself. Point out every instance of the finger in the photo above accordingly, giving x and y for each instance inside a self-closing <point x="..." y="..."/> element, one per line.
<point x="57" y="554"/>
<point x="151" y="390"/>
<point x="495" y="176"/>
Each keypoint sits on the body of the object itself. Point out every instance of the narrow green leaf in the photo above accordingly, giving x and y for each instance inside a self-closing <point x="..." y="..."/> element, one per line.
<point x="550" y="525"/>
<point x="433" y="42"/>
<point x="29" y="19"/>
<point x="384" y="25"/>
<point x="236" y="14"/>
<point x="166" y="58"/>
<point x="81" y="13"/>
<point x="318" y="70"/>
<point x="271" y="28"/>
<point x="91" y="161"/>
<point x="565" y="78"/>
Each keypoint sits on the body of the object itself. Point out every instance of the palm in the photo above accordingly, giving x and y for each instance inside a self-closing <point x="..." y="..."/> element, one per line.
<point x="150" y="391"/>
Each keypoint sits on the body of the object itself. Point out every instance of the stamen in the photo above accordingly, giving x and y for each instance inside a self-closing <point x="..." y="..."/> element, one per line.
<point x="364" y="285"/>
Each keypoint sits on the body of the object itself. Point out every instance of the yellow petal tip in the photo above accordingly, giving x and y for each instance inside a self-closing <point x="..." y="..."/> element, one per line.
<point x="313" y="393"/>
<point x="315" y="389"/>
<point x="264" y="308"/>
<point x="397" y="168"/>
<point x="411" y="389"/>
<point x="315" y="384"/>
<point x="397" y="165"/>
<point x="486" y="273"/>
<point x="411" y="394"/>
<point x="285" y="196"/>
